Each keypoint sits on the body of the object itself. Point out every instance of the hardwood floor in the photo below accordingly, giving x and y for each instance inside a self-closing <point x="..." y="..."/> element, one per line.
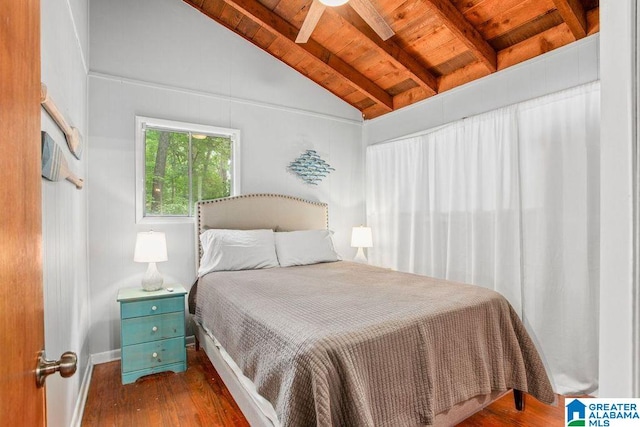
<point x="503" y="413"/>
<point x="198" y="397"/>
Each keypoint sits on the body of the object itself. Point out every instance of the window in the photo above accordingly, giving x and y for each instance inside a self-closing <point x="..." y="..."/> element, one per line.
<point x="179" y="163"/>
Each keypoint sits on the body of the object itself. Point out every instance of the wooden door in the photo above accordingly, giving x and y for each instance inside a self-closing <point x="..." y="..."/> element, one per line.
<point x="21" y="300"/>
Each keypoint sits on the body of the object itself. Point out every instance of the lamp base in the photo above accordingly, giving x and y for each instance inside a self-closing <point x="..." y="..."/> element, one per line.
<point x="360" y="257"/>
<point x="152" y="280"/>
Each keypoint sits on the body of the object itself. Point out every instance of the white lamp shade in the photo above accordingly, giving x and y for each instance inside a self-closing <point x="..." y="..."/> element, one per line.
<point x="361" y="237"/>
<point x="151" y="246"/>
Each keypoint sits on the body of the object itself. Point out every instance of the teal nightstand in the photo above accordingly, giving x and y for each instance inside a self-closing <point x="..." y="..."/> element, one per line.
<point x="152" y="332"/>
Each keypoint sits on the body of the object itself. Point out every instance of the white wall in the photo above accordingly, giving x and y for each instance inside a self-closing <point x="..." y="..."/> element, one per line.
<point x="554" y="71"/>
<point x="169" y="42"/>
<point x="618" y="22"/>
<point x="163" y="59"/>
<point x="64" y="208"/>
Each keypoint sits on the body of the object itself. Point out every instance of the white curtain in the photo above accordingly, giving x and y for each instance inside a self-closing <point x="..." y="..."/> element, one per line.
<point x="507" y="200"/>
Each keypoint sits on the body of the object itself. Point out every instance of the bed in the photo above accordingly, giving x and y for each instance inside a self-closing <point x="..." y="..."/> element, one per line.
<point x="341" y="343"/>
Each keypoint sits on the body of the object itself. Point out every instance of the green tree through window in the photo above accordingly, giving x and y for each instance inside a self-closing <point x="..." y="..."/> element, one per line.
<point x="182" y="167"/>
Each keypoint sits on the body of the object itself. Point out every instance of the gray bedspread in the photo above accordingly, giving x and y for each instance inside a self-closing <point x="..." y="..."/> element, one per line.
<point x="345" y="344"/>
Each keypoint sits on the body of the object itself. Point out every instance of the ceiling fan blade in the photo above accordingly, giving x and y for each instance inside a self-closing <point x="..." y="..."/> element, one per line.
<point x="371" y="16"/>
<point x="310" y="21"/>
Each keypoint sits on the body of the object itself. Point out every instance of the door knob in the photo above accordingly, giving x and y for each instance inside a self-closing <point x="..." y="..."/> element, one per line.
<point x="67" y="366"/>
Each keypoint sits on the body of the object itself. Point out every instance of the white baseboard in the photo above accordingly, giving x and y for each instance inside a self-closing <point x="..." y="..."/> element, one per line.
<point x="105" y="356"/>
<point x="78" y="412"/>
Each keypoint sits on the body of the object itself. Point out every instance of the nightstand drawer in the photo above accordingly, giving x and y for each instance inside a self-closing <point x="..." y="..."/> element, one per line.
<point x="151" y="306"/>
<point x="152" y="354"/>
<point x="137" y="330"/>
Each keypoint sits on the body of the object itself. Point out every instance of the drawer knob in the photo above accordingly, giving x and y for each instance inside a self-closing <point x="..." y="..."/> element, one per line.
<point x="154" y="308"/>
<point x="155" y="354"/>
<point x="154" y="329"/>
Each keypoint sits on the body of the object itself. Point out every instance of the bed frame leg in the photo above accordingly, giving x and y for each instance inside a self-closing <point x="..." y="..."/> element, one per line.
<point x="197" y="345"/>
<point x="518" y="399"/>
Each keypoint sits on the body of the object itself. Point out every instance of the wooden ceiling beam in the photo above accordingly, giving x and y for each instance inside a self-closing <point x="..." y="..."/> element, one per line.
<point x="321" y="56"/>
<point x="574" y="16"/>
<point x="389" y="50"/>
<point x="464" y="31"/>
<point x="544" y="42"/>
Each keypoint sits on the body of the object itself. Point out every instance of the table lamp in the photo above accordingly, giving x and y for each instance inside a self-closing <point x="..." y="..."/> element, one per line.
<point x="151" y="247"/>
<point x="361" y="238"/>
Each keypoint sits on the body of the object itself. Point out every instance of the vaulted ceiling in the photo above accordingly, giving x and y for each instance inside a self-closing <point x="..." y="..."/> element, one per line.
<point x="438" y="44"/>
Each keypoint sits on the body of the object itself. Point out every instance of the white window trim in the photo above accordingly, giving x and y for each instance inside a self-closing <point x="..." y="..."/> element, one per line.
<point x="141" y="123"/>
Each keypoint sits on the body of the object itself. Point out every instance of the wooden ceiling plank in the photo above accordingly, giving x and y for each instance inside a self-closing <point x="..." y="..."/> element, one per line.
<point x="593" y="21"/>
<point x="271" y="4"/>
<point x="405" y="15"/>
<point x="464" y="31"/>
<point x="526" y="31"/>
<point x="574" y="15"/>
<point x="465" y="5"/>
<point x="389" y="7"/>
<point x="306" y="66"/>
<point x="353" y="50"/>
<point x="327" y="29"/>
<point x="320" y="76"/>
<point x="410" y="96"/>
<point x="461" y="76"/>
<point x="371" y="64"/>
<point x="263" y="38"/>
<point x="247" y="27"/>
<point x="390" y="50"/>
<point x="482" y="12"/>
<point x="372" y="112"/>
<point x="338" y="86"/>
<point x="231" y="16"/>
<point x="453" y="64"/>
<point x="337" y="42"/>
<point x="526" y="11"/>
<point x="445" y="52"/>
<point x="537" y="45"/>
<point x="278" y="48"/>
<point x="210" y="7"/>
<point x="432" y="42"/>
<point x="391" y="80"/>
<point x="323" y="57"/>
<point x="294" y="11"/>
<point x="364" y="84"/>
<point x="293" y="57"/>
<point x="354" y="97"/>
<point x="420" y="31"/>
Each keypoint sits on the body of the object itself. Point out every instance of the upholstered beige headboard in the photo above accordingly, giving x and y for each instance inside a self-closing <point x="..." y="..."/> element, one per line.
<point x="259" y="211"/>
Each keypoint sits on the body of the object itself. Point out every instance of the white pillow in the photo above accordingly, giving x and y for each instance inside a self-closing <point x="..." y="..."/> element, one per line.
<point x="237" y="250"/>
<point x="305" y="247"/>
